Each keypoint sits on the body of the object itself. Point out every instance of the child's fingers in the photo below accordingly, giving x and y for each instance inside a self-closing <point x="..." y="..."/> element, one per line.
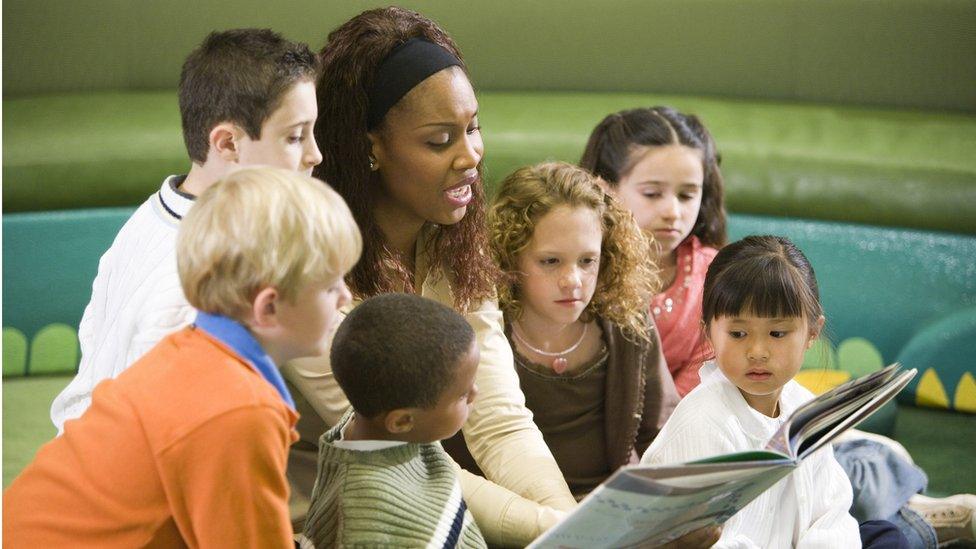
<point x="697" y="539"/>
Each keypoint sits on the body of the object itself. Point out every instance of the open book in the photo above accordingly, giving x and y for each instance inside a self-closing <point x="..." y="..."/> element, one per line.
<point x="653" y="504"/>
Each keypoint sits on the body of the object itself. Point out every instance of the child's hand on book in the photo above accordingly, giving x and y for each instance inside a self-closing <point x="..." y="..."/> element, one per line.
<point x="696" y="539"/>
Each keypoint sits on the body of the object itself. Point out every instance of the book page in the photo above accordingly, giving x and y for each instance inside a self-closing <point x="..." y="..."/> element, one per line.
<point x="707" y="472"/>
<point x="630" y="510"/>
<point x="651" y="505"/>
<point x="809" y="421"/>
<point x="886" y="393"/>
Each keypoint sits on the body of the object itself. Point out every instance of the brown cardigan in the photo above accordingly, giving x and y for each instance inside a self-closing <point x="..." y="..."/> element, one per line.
<point x="640" y="396"/>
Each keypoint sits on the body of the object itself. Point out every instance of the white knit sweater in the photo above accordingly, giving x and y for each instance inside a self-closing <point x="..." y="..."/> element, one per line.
<point x="808" y="508"/>
<point x="136" y="299"/>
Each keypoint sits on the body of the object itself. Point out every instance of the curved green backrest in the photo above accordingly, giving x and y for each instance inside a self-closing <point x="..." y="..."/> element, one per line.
<point x="889" y="294"/>
<point x="877" y="166"/>
<point x="903" y="53"/>
<point x="50" y="260"/>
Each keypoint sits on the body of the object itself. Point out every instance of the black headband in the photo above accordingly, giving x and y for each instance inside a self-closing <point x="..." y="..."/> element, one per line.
<point x="406" y="66"/>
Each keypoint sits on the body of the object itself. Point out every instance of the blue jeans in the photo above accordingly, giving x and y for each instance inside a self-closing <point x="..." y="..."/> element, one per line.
<point x="881" y="534"/>
<point x="882" y="482"/>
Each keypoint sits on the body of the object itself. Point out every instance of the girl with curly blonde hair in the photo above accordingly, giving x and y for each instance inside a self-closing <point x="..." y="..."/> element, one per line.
<point x="575" y="303"/>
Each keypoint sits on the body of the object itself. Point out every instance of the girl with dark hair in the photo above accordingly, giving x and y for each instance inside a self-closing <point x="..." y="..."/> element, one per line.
<point x="663" y="166"/>
<point x="761" y="311"/>
<point x="400" y="139"/>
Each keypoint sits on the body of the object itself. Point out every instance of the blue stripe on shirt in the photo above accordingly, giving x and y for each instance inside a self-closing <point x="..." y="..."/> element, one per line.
<point x="455" y="534"/>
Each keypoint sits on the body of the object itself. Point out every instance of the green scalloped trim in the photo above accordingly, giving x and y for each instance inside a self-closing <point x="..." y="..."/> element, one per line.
<point x="14" y="352"/>
<point x="54" y="350"/>
<point x="858" y="356"/>
<point x="820" y="355"/>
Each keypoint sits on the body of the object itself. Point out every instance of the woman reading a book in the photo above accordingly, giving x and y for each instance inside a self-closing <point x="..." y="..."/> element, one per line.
<point x="401" y="143"/>
<point x="761" y="311"/>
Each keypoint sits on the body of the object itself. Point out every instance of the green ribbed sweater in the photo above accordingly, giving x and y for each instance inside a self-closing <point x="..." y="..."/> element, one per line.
<point x="404" y="496"/>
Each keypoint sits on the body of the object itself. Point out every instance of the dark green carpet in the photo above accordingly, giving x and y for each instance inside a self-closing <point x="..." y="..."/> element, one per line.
<point x="943" y="444"/>
<point x="940" y="442"/>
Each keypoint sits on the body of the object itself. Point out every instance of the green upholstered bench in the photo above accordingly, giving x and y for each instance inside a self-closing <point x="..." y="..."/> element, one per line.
<point x="877" y="166"/>
<point x="889" y="294"/>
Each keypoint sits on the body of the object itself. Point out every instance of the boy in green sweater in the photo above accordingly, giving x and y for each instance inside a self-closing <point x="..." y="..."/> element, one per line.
<point x="407" y="365"/>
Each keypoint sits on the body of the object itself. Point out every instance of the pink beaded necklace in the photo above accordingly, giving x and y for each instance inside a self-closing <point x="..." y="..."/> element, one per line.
<point x="559" y="363"/>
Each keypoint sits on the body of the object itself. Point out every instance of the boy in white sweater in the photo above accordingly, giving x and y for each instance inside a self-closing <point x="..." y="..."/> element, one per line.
<point x="247" y="97"/>
<point x="761" y="311"/>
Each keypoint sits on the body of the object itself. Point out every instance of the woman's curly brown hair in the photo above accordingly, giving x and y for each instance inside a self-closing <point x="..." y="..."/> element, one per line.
<point x="626" y="280"/>
<point x="349" y="59"/>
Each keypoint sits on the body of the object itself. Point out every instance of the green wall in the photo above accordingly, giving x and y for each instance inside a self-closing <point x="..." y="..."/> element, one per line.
<point x="902" y="53"/>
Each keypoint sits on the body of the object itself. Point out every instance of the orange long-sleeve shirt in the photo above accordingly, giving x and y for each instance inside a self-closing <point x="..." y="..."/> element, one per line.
<point x="187" y="447"/>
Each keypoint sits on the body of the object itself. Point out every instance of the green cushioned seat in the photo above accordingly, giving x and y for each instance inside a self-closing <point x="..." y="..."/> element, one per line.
<point x="89" y="150"/>
<point x="882" y="167"/>
<point x="50" y="260"/>
<point x="889" y="294"/>
<point x="944" y="352"/>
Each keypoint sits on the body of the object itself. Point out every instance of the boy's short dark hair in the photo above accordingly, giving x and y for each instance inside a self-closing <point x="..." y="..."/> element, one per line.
<point x="238" y="76"/>
<point x="398" y="351"/>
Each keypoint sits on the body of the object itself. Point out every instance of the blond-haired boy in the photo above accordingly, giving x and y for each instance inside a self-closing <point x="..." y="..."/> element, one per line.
<point x="247" y="96"/>
<point x="189" y="445"/>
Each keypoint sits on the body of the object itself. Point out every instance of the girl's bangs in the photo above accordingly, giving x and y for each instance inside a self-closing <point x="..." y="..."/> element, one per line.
<point x="769" y="291"/>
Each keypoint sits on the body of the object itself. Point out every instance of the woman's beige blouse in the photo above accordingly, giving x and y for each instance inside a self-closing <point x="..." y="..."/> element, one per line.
<point x="499" y="432"/>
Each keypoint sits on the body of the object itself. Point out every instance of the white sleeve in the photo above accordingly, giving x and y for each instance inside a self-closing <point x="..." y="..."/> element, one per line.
<point x="734" y="541"/>
<point x="105" y="355"/>
<point x="167" y="313"/>
<point x="74" y="399"/>
<point x="689" y="435"/>
<point x="829" y="501"/>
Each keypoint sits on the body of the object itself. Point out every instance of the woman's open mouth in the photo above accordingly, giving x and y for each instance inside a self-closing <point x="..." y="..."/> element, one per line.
<point x="459" y="196"/>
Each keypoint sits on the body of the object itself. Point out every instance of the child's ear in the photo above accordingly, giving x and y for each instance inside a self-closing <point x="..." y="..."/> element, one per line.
<point x="223" y="141"/>
<point x="815" y="330"/>
<point x="264" y="308"/>
<point x="399" y="421"/>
